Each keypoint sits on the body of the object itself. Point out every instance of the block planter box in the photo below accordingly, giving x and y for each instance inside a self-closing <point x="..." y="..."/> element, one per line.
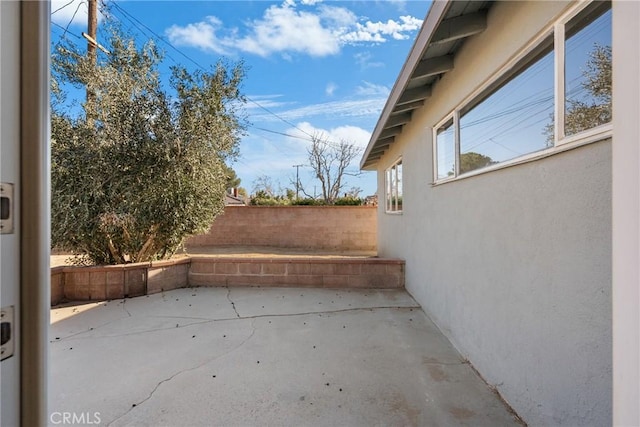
<point x="129" y="280"/>
<point x="99" y="283"/>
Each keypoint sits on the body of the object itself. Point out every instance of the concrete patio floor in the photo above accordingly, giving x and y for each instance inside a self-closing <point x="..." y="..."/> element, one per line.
<point x="263" y="356"/>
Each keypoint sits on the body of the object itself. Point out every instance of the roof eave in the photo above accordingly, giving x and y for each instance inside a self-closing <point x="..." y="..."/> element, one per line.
<point x="435" y="15"/>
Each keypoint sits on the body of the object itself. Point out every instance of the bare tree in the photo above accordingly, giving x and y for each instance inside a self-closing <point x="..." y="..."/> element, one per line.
<point x="264" y="184"/>
<point x="330" y="162"/>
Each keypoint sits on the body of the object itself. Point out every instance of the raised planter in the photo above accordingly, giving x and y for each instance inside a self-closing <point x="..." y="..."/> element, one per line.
<point x="100" y="283"/>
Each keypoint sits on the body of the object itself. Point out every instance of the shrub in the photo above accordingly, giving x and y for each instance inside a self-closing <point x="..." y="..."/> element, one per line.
<point x="348" y="201"/>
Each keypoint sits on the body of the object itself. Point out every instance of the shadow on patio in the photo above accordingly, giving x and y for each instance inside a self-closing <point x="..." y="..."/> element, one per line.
<point x="263" y="356"/>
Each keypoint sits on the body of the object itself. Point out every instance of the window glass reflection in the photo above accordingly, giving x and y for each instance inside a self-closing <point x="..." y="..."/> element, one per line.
<point x="588" y="69"/>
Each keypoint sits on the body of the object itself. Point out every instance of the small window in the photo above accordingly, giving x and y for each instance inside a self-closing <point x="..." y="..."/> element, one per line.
<point x="393" y="187"/>
<point x="445" y="150"/>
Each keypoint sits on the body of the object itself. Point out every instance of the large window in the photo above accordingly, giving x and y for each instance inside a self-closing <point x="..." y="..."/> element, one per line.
<point x="557" y="92"/>
<point x="393" y="187"/>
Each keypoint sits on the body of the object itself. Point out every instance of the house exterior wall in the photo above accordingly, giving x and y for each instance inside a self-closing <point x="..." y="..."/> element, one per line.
<point x="514" y="265"/>
<point x="626" y="217"/>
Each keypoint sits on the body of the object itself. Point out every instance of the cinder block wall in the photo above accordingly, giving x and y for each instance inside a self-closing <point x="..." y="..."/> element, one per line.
<point x="340" y="228"/>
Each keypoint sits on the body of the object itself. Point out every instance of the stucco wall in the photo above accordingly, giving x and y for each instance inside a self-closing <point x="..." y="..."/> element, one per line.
<point x="626" y="217"/>
<point x="513" y="265"/>
<point x="339" y="228"/>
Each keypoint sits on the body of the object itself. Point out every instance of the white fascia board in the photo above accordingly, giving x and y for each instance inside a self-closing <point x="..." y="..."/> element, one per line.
<point x="435" y="15"/>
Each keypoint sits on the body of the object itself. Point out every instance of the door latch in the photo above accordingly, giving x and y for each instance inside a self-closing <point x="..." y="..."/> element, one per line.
<point x="6" y="332"/>
<point x="6" y="208"/>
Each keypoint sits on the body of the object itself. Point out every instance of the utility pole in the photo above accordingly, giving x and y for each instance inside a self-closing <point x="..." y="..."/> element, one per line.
<point x="92" y="29"/>
<point x="297" y="179"/>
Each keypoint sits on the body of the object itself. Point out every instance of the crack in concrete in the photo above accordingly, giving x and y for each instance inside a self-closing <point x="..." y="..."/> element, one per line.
<point x="206" y="362"/>
<point x="258" y="316"/>
<point x="343" y="310"/>
<point x="233" y="305"/>
<point x="124" y="301"/>
<point x="446" y="363"/>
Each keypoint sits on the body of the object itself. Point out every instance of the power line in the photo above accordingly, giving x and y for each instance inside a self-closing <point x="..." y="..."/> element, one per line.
<point x="162" y="39"/>
<point x="72" y="18"/>
<point x="138" y="24"/>
<point x="68" y="32"/>
<point x="62" y="7"/>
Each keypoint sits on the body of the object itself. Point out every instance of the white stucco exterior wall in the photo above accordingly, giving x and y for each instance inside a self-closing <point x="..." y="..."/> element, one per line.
<point x="626" y="216"/>
<point x="513" y="265"/>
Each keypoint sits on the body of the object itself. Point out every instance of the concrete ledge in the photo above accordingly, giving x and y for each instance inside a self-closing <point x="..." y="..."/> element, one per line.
<point x="120" y="281"/>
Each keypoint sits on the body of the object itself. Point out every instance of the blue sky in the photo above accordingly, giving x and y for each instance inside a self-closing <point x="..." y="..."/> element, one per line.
<point x="316" y="66"/>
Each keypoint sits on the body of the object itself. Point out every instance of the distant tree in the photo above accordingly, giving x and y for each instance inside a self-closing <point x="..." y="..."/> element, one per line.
<point x="329" y="162"/>
<point x="353" y="192"/>
<point x="265" y="193"/>
<point x="242" y="192"/>
<point x="290" y="194"/>
<point x="138" y="169"/>
<point x="232" y="179"/>
<point x="264" y="184"/>
<point x="472" y="161"/>
<point x="348" y="201"/>
<point x="594" y="109"/>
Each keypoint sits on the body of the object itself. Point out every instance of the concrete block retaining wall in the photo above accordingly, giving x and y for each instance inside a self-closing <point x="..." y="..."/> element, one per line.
<point x="121" y="281"/>
<point x="338" y="228"/>
<point x="302" y="272"/>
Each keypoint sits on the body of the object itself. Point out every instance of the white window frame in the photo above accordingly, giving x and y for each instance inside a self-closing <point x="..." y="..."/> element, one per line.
<point x="389" y="206"/>
<point x="561" y="142"/>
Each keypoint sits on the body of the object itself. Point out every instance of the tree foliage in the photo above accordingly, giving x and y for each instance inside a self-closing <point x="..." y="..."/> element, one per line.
<point x="594" y="109"/>
<point x="329" y="162"/>
<point x="138" y="168"/>
<point x="266" y="192"/>
<point x="233" y="181"/>
<point x="472" y="161"/>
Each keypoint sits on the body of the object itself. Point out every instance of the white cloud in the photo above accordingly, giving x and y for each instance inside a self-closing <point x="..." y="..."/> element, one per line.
<point x="369" y="107"/>
<point x="265" y="101"/>
<point x="364" y="59"/>
<point x="63" y="12"/>
<point x="371" y="89"/>
<point x="400" y="4"/>
<point x="331" y="88"/>
<point x="368" y="101"/>
<point x="317" y="31"/>
<point x="201" y="35"/>
<point x="351" y="134"/>
<point x="376" y="31"/>
<point x="284" y="29"/>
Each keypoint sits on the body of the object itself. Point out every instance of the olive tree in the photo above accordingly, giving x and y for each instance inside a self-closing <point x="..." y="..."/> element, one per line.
<point x="138" y="168"/>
